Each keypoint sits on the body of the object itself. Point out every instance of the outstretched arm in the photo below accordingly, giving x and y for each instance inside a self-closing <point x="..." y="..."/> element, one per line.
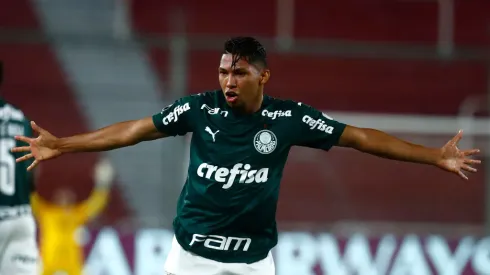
<point x="115" y="136"/>
<point x="122" y="134"/>
<point x="173" y="120"/>
<point x="381" y="144"/>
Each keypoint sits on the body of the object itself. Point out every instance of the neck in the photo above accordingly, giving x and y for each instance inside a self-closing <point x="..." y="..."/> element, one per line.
<point x="255" y="106"/>
<point x="250" y="108"/>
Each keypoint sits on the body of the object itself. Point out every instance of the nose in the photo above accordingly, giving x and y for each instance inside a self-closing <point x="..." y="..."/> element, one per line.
<point x="231" y="83"/>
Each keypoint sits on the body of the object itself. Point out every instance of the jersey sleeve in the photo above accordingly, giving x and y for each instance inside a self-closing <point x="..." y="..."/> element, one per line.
<point x="315" y="129"/>
<point x="176" y="119"/>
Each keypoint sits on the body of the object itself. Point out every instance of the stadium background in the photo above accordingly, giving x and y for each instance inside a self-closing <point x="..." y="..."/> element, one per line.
<point x="417" y="69"/>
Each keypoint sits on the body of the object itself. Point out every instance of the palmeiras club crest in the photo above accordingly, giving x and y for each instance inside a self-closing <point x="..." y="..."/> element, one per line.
<point x="265" y="142"/>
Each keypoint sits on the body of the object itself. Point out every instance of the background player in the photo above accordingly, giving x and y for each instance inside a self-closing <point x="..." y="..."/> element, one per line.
<point x="18" y="248"/>
<point x="60" y="223"/>
<point x="241" y="139"/>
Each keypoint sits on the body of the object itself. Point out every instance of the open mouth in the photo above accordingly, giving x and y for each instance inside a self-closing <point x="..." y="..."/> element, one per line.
<point x="231" y="96"/>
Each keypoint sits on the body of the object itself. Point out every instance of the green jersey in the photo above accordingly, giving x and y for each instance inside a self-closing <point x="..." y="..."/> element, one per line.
<point x="226" y="211"/>
<point x="16" y="183"/>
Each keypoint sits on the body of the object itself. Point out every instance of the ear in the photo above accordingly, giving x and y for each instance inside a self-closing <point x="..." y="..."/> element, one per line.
<point x="264" y="76"/>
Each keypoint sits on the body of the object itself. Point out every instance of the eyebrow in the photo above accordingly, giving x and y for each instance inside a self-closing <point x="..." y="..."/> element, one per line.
<point x="235" y="70"/>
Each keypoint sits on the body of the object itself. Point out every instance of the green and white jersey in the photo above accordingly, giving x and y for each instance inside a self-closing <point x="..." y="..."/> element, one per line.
<point x="226" y="211"/>
<point x="16" y="183"/>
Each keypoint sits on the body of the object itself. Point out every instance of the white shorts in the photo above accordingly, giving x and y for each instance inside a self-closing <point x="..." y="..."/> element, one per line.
<point x="182" y="262"/>
<point x="18" y="247"/>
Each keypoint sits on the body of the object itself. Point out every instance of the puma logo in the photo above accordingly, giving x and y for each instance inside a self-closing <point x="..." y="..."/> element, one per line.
<point x="211" y="132"/>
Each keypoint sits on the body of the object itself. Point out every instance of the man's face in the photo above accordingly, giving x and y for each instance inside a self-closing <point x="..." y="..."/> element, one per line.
<point x="242" y="84"/>
<point x="65" y="197"/>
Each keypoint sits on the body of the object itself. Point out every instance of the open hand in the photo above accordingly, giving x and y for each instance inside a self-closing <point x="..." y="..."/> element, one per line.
<point x="104" y="173"/>
<point x="41" y="148"/>
<point x="455" y="160"/>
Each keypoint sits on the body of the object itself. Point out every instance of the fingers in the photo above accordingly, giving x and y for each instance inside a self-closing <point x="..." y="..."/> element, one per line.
<point x="32" y="165"/>
<point x="36" y="128"/>
<point x="468" y="168"/>
<point x="471" y="152"/>
<point x="462" y="175"/>
<point x="457" y="137"/>
<point x="24" y="139"/>
<point x="23" y="158"/>
<point x="21" y="149"/>
<point x="472" y="161"/>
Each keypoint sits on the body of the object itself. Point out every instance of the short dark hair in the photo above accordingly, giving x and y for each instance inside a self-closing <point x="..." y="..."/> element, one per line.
<point x="248" y="48"/>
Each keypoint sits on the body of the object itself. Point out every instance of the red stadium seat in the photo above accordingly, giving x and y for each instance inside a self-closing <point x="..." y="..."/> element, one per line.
<point x="201" y="17"/>
<point x="18" y="14"/>
<point x="348" y="185"/>
<point x="472" y="23"/>
<point x="412" y="22"/>
<point x="377" y="85"/>
<point x="371" y="21"/>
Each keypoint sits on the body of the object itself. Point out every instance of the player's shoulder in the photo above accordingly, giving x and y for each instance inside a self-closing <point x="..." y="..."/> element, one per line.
<point x="295" y="109"/>
<point x="208" y="100"/>
<point x="204" y="97"/>
<point x="11" y="112"/>
<point x="288" y="104"/>
<point x="210" y="97"/>
<point x="190" y="102"/>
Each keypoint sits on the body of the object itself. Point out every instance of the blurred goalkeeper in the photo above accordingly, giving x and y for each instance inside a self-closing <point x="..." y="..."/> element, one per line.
<point x="60" y="223"/>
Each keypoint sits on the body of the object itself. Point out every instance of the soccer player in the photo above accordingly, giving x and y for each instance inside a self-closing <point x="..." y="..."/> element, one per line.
<point x="18" y="248"/>
<point x="60" y="223"/>
<point x="225" y="220"/>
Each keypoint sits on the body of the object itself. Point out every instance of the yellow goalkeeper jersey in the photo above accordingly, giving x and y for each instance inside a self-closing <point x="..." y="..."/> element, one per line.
<point x="60" y="247"/>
